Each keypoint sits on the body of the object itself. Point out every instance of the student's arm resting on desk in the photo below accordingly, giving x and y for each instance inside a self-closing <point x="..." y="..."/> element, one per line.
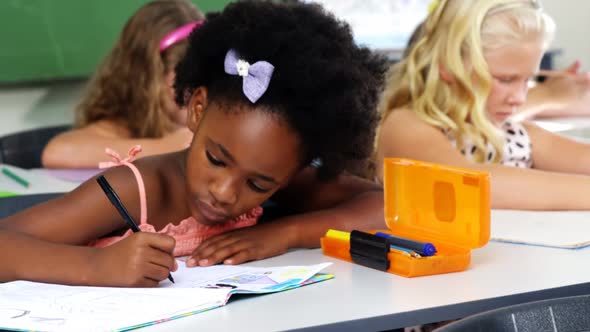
<point x="47" y="243"/>
<point x="405" y="135"/>
<point x="557" y="153"/>
<point x="347" y="202"/>
<point x="85" y="147"/>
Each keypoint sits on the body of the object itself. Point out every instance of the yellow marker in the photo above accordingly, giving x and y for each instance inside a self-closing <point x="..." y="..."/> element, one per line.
<point x="340" y="235"/>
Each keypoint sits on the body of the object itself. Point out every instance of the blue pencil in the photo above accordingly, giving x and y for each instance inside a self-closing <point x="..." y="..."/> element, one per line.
<point x="422" y="248"/>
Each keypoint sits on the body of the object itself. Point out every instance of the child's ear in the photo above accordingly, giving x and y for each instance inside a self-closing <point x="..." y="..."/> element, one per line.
<point x="444" y="74"/>
<point x="196" y="108"/>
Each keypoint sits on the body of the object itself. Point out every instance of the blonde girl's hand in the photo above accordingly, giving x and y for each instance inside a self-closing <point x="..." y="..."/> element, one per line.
<point x="242" y="245"/>
<point x="140" y="260"/>
<point x="568" y="88"/>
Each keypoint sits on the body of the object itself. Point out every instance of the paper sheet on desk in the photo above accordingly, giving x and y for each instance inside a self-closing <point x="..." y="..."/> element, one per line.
<point x="39" y="182"/>
<point x="72" y="175"/>
<point x="560" y="229"/>
<point x="46" y="307"/>
<point x="242" y="279"/>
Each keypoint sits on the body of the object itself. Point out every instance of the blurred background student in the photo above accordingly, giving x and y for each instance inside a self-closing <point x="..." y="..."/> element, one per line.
<point x="450" y="101"/>
<point x="130" y="99"/>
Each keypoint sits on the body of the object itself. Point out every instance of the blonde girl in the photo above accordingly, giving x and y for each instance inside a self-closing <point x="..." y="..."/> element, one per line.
<point x="449" y="101"/>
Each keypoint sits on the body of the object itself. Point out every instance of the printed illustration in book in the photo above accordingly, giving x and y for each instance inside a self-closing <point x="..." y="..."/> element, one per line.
<point x="27" y="306"/>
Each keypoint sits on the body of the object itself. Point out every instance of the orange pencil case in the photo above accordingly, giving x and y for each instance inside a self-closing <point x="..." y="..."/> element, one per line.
<point x="443" y="205"/>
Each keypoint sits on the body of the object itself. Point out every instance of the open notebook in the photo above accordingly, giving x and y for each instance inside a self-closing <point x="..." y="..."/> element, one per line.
<point x="561" y="229"/>
<point x="26" y="306"/>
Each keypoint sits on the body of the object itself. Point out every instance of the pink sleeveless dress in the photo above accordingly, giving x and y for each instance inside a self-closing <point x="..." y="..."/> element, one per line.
<point x="189" y="233"/>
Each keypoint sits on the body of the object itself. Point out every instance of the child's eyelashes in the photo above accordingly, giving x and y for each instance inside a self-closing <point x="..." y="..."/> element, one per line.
<point x="506" y="80"/>
<point x="214" y="161"/>
<point x="513" y="79"/>
<point x="251" y="183"/>
<point x="256" y="187"/>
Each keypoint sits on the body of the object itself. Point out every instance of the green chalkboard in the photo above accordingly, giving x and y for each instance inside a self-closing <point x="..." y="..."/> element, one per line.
<point x="61" y="39"/>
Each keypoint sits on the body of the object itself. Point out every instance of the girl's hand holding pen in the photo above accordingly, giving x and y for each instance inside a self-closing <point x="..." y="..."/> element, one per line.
<point x="164" y="245"/>
<point x="140" y="260"/>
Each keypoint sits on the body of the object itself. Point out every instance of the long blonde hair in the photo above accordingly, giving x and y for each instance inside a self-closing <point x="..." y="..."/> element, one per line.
<point x="455" y="36"/>
<point x="130" y="84"/>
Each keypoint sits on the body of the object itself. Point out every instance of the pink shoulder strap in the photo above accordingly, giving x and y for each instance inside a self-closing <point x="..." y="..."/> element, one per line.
<point x="118" y="161"/>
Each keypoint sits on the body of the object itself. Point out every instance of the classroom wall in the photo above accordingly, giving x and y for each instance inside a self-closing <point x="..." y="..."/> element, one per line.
<point x="62" y="39"/>
<point x="29" y="106"/>
<point x="572" y="18"/>
<point x="47" y="45"/>
<point x="56" y="39"/>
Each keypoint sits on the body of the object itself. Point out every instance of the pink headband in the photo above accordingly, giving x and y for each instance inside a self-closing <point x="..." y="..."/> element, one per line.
<point x="178" y="35"/>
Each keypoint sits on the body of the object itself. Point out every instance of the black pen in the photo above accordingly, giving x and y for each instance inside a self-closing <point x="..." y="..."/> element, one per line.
<point x="112" y="195"/>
